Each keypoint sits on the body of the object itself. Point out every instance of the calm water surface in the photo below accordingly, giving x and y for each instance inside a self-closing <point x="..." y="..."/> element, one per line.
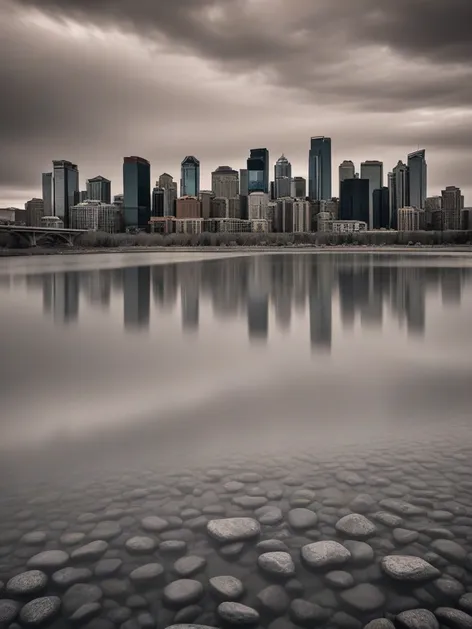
<point x="189" y="388"/>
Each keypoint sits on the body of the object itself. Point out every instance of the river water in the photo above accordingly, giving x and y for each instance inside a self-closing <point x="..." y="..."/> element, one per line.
<point x="322" y="397"/>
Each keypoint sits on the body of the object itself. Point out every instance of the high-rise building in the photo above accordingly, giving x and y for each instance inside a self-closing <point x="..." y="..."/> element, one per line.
<point x="136" y="192"/>
<point x="243" y="182"/>
<point x="83" y="196"/>
<point x="190" y="177"/>
<point x="225" y="182"/>
<point x="167" y="183"/>
<point x="188" y="207"/>
<point x="257" y="205"/>
<point x="99" y="189"/>
<point x="347" y="170"/>
<point x="258" y="170"/>
<point x="373" y="171"/>
<point x="354" y="200"/>
<point x="205" y="198"/>
<point x="301" y="216"/>
<point x="118" y="200"/>
<point x="319" y="169"/>
<point x="381" y="210"/>
<point x="399" y="191"/>
<point x="66" y="188"/>
<point x="282" y="177"/>
<point x="47" y="185"/>
<point x="158" y="194"/>
<point x="417" y="171"/>
<point x="234" y="208"/>
<point x="219" y="207"/>
<point x="96" y="216"/>
<point x="298" y="188"/>
<point x="408" y="219"/>
<point x="452" y="204"/>
<point x="283" y="216"/>
<point x="34" y="212"/>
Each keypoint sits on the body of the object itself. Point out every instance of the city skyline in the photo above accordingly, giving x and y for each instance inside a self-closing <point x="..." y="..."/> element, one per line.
<point x="215" y="96"/>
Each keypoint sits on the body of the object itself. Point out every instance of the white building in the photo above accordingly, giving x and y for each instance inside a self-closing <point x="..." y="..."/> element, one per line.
<point x="226" y="225"/>
<point x="52" y="221"/>
<point x="348" y="227"/>
<point x="257" y="206"/>
<point x="95" y="216"/>
<point x="409" y="219"/>
<point x="259" y="225"/>
<point x="301" y="216"/>
<point x="188" y="225"/>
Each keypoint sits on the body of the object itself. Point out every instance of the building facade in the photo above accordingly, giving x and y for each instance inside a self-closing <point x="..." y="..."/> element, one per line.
<point x="225" y="182"/>
<point x="354" y="201"/>
<point x="66" y="188"/>
<point x="373" y="171"/>
<point x="408" y="219"/>
<point x="189" y="226"/>
<point x="347" y="170"/>
<point x="136" y="192"/>
<point x="298" y="188"/>
<point x="34" y="212"/>
<point x="301" y="216"/>
<point x="258" y="171"/>
<point x="283" y="216"/>
<point x="205" y="198"/>
<point x="96" y="216"/>
<point x="399" y="191"/>
<point x="282" y="178"/>
<point x="157" y="202"/>
<point x="219" y="207"/>
<point x="190" y="177"/>
<point x="319" y="168"/>
<point x="99" y="189"/>
<point x="52" y="222"/>
<point x="381" y="208"/>
<point x="257" y="205"/>
<point x="188" y="207"/>
<point x="417" y="172"/>
<point x="47" y="187"/>
<point x="452" y="204"/>
<point x="226" y="225"/>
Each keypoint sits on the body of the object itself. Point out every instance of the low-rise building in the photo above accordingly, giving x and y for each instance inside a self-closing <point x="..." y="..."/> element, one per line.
<point x="188" y="225"/>
<point x="348" y="227"/>
<point x="34" y="212"/>
<point x="162" y="224"/>
<point x="408" y="219"/>
<point x="259" y="225"/>
<point x="226" y="225"/>
<point x="93" y="215"/>
<point x="323" y="221"/>
<point x="188" y="207"/>
<point x="53" y="222"/>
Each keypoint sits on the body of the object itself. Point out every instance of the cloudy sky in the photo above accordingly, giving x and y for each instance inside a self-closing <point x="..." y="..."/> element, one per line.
<point x="94" y="80"/>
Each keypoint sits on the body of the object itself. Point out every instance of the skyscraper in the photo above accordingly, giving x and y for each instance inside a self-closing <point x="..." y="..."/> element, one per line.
<point x="158" y="201"/>
<point x="319" y="169"/>
<point x="399" y="191"/>
<point x="298" y="188"/>
<point x="282" y="177"/>
<point x="99" y="189"/>
<point x="381" y="208"/>
<point x="452" y="204"/>
<point x="66" y="188"/>
<point x="167" y="183"/>
<point x="347" y="170"/>
<point x="34" y="212"/>
<point x="373" y="171"/>
<point x="354" y="200"/>
<point x="190" y="177"/>
<point x="47" y="193"/>
<point x="136" y="192"/>
<point x="258" y="170"/>
<point x="225" y="182"/>
<point x="417" y="169"/>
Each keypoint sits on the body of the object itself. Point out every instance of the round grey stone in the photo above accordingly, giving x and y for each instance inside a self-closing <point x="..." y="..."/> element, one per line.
<point x="453" y="618"/>
<point x="140" y="544"/>
<point x="450" y="550"/>
<point x="153" y="523"/>
<point x="186" y="566"/>
<point x="361" y="552"/>
<point x="26" y="583"/>
<point x="363" y="503"/>
<point x="363" y="598"/>
<point x="66" y="577"/>
<point x="387" y="519"/>
<point x="269" y="515"/>
<point x="274" y="599"/>
<point x="106" y="530"/>
<point x="302" y="518"/>
<point x="404" y="536"/>
<point x="230" y="530"/>
<point x="339" y="579"/>
<point x="250" y="502"/>
<point x="188" y="614"/>
<point x="270" y="545"/>
<point x="49" y="560"/>
<point x="33" y="538"/>
<point x="91" y="551"/>
<point x="233" y="486"/>
<point x="277" y="563"/>
<point x="107" y="567"/>
<point x="227" y="587"/>
<point x="450" y="588"/>
<point x="325" y="554"/>
<point x="401" y="507"/>
<point x="308" y="614"/>
<point x="78" y="595"/>
<point x="40" y="610"/>
<point x="417" y="619"/>
<point x="174" y="546"/>
<point x="238" y="614"/>
<point x="380" y="623"/>
<point x="8" y="611"/>
<point x="408" y="568"/>
<point x="183" y="592"/>
<point x="86" y="612"/>
<point x="148" y="573"/>
<point x="71" y="539"/>
<point x="355" y="526"/>
<point x="465" y="602"/>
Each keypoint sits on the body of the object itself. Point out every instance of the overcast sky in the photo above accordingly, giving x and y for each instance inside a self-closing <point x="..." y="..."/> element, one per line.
<point x="93" y="80"/>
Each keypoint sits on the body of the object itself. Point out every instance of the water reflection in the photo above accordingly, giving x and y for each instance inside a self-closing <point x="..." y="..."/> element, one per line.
<point x="366" y="287"/>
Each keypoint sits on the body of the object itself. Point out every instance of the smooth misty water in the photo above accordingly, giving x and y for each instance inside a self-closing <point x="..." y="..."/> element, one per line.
<point x="192" y="388"/>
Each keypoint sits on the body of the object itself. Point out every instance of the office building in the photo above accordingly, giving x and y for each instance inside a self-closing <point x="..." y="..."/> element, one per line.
<point x="257" y="205"/>
<point x="243" y="192"/>
<point x="118" y="200"/>
<point x="226" y="225"/>
<point x="301" y="216"/>
<point x="157" y="204"/>
<point x="99" y="189"/>
<point x="188" y="226"/>
<point x="398" y="190"/>
<point x="136" y="192"/>
<point x="319" y="169"/>
<point x="190" y="177"/>
<point x="188" y="207"/>
<point x="347" y="170"/>
<point x="408" y="219"/>
<point x="373" y="171"/>
<point x="331" y="206"/>
<point x="452" y="204"/>
<point x="417" y="172"/>
<point x="47" y="185"/>
<point x="298" y="188"/>
<point x="282" y="178"/>
<point x="283" y="216"/>
<point x="466" y="218"/>
<point x="83" y="196"/>
<point x="381" y="208"/>
<point x="354" y="201"/>
<point x="225" y="182"/>
<point x="219" y="207"/>
<point x="205" y="198"/>
<point x="96" y="216"/>
<point x="52" y="222"/>
<point x="258" y="170"/>
<point x="234" y="208"/>
<point x="34" y="212"/>
<point x="66" y="188"/>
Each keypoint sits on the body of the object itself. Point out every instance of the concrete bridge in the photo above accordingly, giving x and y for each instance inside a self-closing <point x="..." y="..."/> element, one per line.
<point x="33" y="236"/>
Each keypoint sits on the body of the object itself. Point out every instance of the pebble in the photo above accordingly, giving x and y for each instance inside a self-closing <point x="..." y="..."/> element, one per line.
<point x="174" y="546"/>
<point x="269" y="515"/>
<point x="233" y="486"/>
<point x="140" y="544"/>
<point x="186" y="566"/>
<point x="40" y="611"/>
<point x="233" y="529"/>
<point x="107" y="567"/>
<point x="278" y="564"/>
<point x="227" y="587"/>
<point x="408" y="568"/>
<point x="78" y="595"/>
<point x="339" y="579"/>
<point x="237" y="613"/>
<point x="8" y="611"/>
<point x="106" y="531"/>
<point x="466" y="602"/>
<point x="90" y="552"/>
<point x="274" y="599"/>
<point x="150" y="572"/>
<point x="361" y="552"/>
<point x="153" y="523"/>
<point x="453" y="618"/>
<point x="183" y="592"/>
<point x="355" y="526"/>
<point x="380" y="623"/>
<point x="452" y="551"/>
<point x="269" y="545"/>
<point x="325" y="554"/>
<point x="404" y="536"/>
<point x="364" y="597"/>
<point x="417" y="619"/>
<point x="86" y="612"/>
<point x="250" y="502"/>
<point x="34" y="538"/>
<point x="388" y="519"/>
<point x="302" y="518"/>
<point x="27" y="583"/>
<point x="49" y="560"/>
<point x="66" y="577"/>
<point x="71" y="539"/>
<point x="401" y="507"/>
<point x="305" y="613"/>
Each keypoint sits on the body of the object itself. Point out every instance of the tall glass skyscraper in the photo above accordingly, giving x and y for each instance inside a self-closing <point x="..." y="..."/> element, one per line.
<point x="136" y="192"/>
<point x="373" y="171"/>
<point x="282" y="177"/>
<point x="47" y="193"/>
<point x="417" y="169"/>
<point x="66" y="188"/>
<point x="99" y="189"/>
<point x="258" y="171"/>
<point x="190" y="177"/>
<point x="319" y="169"/>
<point x="354" y="200"/>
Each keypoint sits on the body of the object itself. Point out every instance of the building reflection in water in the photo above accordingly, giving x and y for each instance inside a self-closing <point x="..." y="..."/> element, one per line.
<point x="366" y="286"/>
